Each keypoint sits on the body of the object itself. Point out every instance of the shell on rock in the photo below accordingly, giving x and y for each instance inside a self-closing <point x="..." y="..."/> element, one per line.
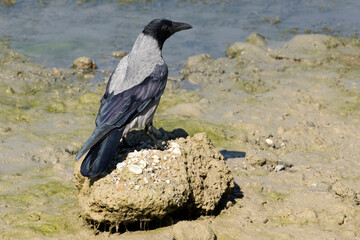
<point x="135" y="169"/>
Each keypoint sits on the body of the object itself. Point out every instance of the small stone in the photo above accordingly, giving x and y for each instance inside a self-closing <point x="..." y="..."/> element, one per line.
<point x="84" y="63"/>
<point x="193" y="230"/>
<point x="118" y="54"/>
<point x="269" y="142"/>
<point x="136" y="187"/>
<point x="167" y="181"/>
<point x="146" y="180"/>
<point x="135" y="169"/>
<point x="279" y="168"/>
<point x="310" y="124"/>
<point x="256" y="39"/>
<point x="56" y="72"/>
<point x="9" y="91"/>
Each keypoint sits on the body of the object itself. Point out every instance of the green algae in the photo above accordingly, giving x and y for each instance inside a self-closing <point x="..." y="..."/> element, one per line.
<point x="252" y="87"/>
<point x="23" y="199"/>
<point x="55" y="107"/>
<point x="275" y="196"/>
<point x="40" y="209"/>
<point x="169" y="100"/>
<point x="37" y="222"/>
<point x="54" y="189"/>
<point x="193" y="125"/>
<point x="61" y="137"/>
<point x="90" y="98"/>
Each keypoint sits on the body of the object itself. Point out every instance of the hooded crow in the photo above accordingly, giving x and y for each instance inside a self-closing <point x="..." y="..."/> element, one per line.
<point x="131" y="97"/>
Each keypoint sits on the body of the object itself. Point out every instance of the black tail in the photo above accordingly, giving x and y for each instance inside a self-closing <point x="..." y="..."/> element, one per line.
<point x="100" y="155"/>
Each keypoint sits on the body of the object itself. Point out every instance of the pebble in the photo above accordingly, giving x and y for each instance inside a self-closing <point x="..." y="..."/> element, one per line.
<point x="135" y="169"/>
<point x="84" y="63"/>
<point x="167" y="181"/>
<point x="118" y="54"/>
<point x="269" y="142"/>
<point x="279" y="168"/>
<point x="137" y="187"/>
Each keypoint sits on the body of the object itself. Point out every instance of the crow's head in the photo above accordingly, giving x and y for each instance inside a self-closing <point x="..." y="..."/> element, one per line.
<point x="162" y="29"/>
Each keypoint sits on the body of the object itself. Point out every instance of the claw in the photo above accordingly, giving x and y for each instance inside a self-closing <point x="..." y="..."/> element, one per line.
<point x="150" y="133"/>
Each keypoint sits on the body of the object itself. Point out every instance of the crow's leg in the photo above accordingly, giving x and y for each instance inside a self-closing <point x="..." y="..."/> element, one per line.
<point x="150" y="133"/>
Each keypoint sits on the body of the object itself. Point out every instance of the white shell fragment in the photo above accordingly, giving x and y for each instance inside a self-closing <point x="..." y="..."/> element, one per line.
<point x="120" y="165"/>
<point x="177" y="151"/>
<point x="146" y="180"/>
<point x="143" y="163"/>
<point x="279" y="168"/>
<point x="174" y="145"/>
<point x="135" y="169"/>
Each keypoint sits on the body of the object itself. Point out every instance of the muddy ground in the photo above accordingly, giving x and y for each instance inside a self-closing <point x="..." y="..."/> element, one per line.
<point x="285" y="118"/>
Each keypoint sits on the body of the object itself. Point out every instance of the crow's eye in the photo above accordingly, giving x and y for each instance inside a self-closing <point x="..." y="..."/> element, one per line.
<point x="166" y="28"/>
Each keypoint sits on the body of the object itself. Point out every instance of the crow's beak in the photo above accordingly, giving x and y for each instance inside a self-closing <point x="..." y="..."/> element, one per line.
<point x="179" y="26"/>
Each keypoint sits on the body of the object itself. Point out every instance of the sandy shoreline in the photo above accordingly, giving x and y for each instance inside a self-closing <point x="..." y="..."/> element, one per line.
<point x="297" y="106"/>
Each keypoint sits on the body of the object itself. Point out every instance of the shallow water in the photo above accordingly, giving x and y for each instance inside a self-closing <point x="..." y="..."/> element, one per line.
<point x="57" y="32"/>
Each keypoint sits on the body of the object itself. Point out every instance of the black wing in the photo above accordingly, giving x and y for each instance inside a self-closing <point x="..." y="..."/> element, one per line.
<point x="116" y="111"/>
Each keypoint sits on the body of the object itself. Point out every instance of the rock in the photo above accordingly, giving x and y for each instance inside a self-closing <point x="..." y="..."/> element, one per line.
<point x="119" y="54"/>
<point x="84" y="63"/>
<point x="259" y="158"/>
<point x="256" y="39"/>
<point x="195" y="60"/>
<point x="9" y="91"/>
<point x="9" y="3"/>
<point x="192" y="230"/>
<point x="313" y="47"/>
<point x="345" y="192"/>
<point x="151" y="184"/>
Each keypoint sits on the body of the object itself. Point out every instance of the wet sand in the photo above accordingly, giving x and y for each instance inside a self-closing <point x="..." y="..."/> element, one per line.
<point x="285" y="118"/>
